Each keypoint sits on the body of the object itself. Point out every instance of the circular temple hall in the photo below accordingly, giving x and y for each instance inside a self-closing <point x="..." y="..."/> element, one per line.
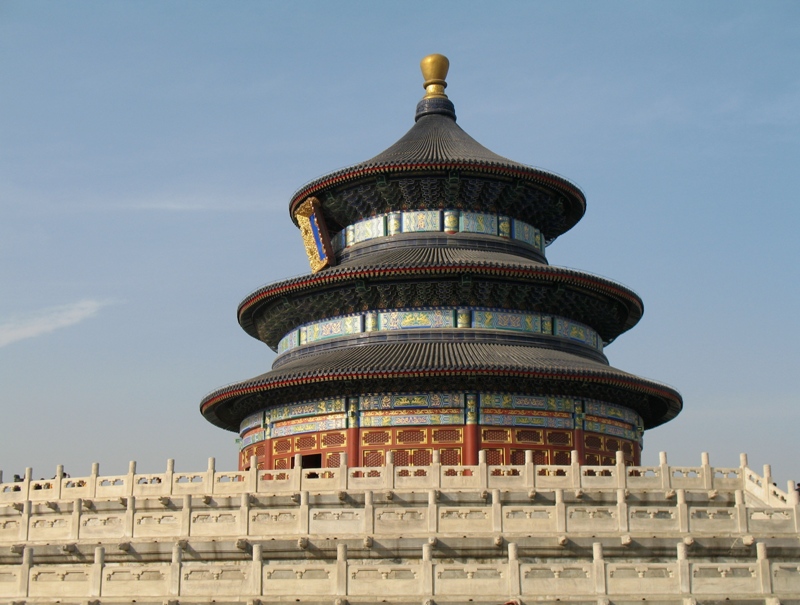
<point x="432" y="323"/>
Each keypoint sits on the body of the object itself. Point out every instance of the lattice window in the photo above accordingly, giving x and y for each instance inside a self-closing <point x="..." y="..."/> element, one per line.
<point x="559" y="438"/>
<point x="333" y="460"/>
<point x="501" y="435"/>
<point x="494" y="457"/>
<point x="627" y="448"/>
<point x="450" y="457"/>
<point x="333" y="439"/>
<point x="411" y="436"/>
<point x="376" y="437"/>
<point x="541" y="457"/>
<point x="529" y="436"/>
<point x="281" y="463"/>
<point x="517" y="457"/>
<point x="593" y="441"/>
<point x="446" y="435"/>
<point x="373" y="458"/>
<point x="260" y="450"/>
<point x="306" y="442"/>
<point x="592" y="459"/>
<point x="562" y="457"/>
<point x="422" y="457"/>
<point x="607" y="461"/>
<point x="612" y="445"/>
<point x="282" y="446"/>
<point x="402" y="458"/>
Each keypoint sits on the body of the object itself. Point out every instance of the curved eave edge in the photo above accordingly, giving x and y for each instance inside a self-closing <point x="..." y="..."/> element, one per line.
<point x="533" y="175"/>
<point x="335" y="276"/>
<point x="670" y="396"/>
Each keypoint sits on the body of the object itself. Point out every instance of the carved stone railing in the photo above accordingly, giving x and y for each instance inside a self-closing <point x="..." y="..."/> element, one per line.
<point x="436" y="476"/>
<point x="421" y="577"/>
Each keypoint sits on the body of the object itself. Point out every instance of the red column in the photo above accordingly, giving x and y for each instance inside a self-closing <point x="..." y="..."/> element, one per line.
<point x="353" y="448"/>
<point x="472" y="440"/>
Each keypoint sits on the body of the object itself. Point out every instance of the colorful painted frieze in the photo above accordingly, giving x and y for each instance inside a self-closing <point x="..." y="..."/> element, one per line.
<point x="609" y="429"/>
<point x="289" y="342"/>
<point x="251" y="439"/>
<point x="251" y="422"/>
<point x="478" y="222"/>
<point x="394" y="223"/>
<point x="308" y="408"/>
<point x="369" y="229"/>
<point x="451" y="221"/>
<point x="411" y="401"/>
<point x="606" y="410"/>
<point x="331" y="328"/>
<point x="422" y="220"/>
<point x="527" y="402"/>
<point x="575" y="331"/>
<point x="526" y="418"/>
<point x="528" y="234"/>
<point x="504" y="320"/>
<point x="410" y="418"/>
<point x="404" y="320"/>
<point x="504" y="227"/>
<point x="298" y="426"/>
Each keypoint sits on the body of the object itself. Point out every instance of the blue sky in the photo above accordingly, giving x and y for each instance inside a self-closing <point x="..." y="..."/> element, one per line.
<point x="148" y="152"/>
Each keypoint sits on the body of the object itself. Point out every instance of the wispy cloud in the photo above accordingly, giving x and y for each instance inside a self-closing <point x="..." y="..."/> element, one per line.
<point x="48" y="320"/>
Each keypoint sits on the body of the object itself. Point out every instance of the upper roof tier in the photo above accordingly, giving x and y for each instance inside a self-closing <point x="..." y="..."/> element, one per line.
<point x="437" y="165"/>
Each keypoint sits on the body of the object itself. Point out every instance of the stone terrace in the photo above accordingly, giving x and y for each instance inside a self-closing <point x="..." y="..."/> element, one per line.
<point x="436" y="534"/>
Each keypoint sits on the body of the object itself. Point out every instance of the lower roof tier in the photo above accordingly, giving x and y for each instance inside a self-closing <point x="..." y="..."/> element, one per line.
<point x="443" y="276"/>
<point x="409" y="366"/>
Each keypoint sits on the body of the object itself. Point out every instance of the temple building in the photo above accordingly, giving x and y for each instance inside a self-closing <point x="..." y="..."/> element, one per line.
<point x="432" y="321"/>
<point x="440" y="427"/>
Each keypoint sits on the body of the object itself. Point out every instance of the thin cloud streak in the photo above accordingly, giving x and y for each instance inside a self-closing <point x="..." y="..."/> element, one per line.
<point x="48" y="320"/>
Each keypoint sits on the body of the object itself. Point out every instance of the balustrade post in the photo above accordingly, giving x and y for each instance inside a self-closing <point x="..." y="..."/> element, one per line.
<point x="561" y="511"/>
<point x="575" y="468"/>
<point x="252" y="475"/>
<point x="529" y="479"/>
<point x="622" y="472"/>
<point x="684" y="573"/>
<point x="683" y="511"/>
<point x="433" y="512"/>
<point x="130" y="509"/>
<point x="57" y="481"/>
<point x="764" y="573"/>
<point x="25" y="571"/>
<point x="244" y="514"/>
<point x="622" y="511"/>
<point x="436" y="468"/>
<point x="75" y="518"/>
<point x="304" y="513"/>
<point x="131" y="478"/>
<point x="427" y="571"/>
<point x="209" y="481"/>
<point x="341" y="569"/>
<point x="663" y="470"/>
<point x="708" y="474"/>
<point x="186" y="515"/>
<point x="599" y="567"/>
<point x="483" y="469"/>
<point x="175" y="570"/>
<point x="741" y="511"/>
<point x="497" y="511"/>
<point x="792" y="493"/>
<point x="297" y="472"/>
<point x="369" y="512"/>
<point x="514" y="586"/>
<point x="389" y="470"/>
<point x="169" y="476"/>
<point x="342" y="477"/>
<point x="96" y="581"/>
<point x="767" y="483"/>
<point x="25" y="520"/>
<point x="93" y="479"/>
<point x="257" y="571"/>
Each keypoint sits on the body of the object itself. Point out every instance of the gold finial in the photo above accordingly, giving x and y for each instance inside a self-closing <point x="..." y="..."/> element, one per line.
<point x="434" y="70"/>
